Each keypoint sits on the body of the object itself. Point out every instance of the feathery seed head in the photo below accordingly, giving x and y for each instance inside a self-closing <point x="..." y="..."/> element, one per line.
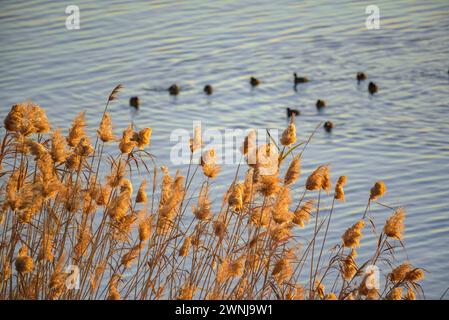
<point x="394" y="226"/>
<point x="377" y="191"/>
<point x="141" y="196"/>
<point x="293" y="172"/>
<point x="24" y="263"/>
<point x="351" y="237"/>
<point x="127" y="144"/>
<point x="339" y="192"/>
<point x="289" y="135"/>
<point x="76" y="132"/>
<point x="105" y="130"/>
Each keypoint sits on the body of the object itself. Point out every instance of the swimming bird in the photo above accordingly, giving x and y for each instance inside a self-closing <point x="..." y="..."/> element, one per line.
<point x="292" y="112"/>
<point x="361" y="76"/>
<point x="134" y="102"/>
<point x="328" y="126"/>
<point x="299" y="80"/>
<point x="208" y="89"/>
<point x="254" y="81"/>
<point x="320" y="104"/>
<point x="174" y="89"/>
<point x="372" y="88"/>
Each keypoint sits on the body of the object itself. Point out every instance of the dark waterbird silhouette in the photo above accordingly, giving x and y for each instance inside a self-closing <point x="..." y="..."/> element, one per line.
<point x="320" y="104"/>
<point x="208" y="89"/>
<point x="134" y="102"/>
<point x="372" y="88"/>
<point x="297" y="80"/>
<point x="292" y="112"/>
<point x="361" y="76"/>
<point x="254" y="81"/>
<point x="328" y="126"/>
<point x="174" y="89"/>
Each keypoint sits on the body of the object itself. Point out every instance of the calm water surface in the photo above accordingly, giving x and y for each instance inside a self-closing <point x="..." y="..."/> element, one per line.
<point x="399" y="136"/>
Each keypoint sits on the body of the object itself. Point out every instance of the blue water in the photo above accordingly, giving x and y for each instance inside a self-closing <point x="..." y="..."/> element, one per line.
<point x="399" y="135"/>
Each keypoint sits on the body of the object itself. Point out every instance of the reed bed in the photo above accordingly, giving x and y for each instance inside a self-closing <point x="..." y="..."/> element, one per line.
<point x="64" y="202"/>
